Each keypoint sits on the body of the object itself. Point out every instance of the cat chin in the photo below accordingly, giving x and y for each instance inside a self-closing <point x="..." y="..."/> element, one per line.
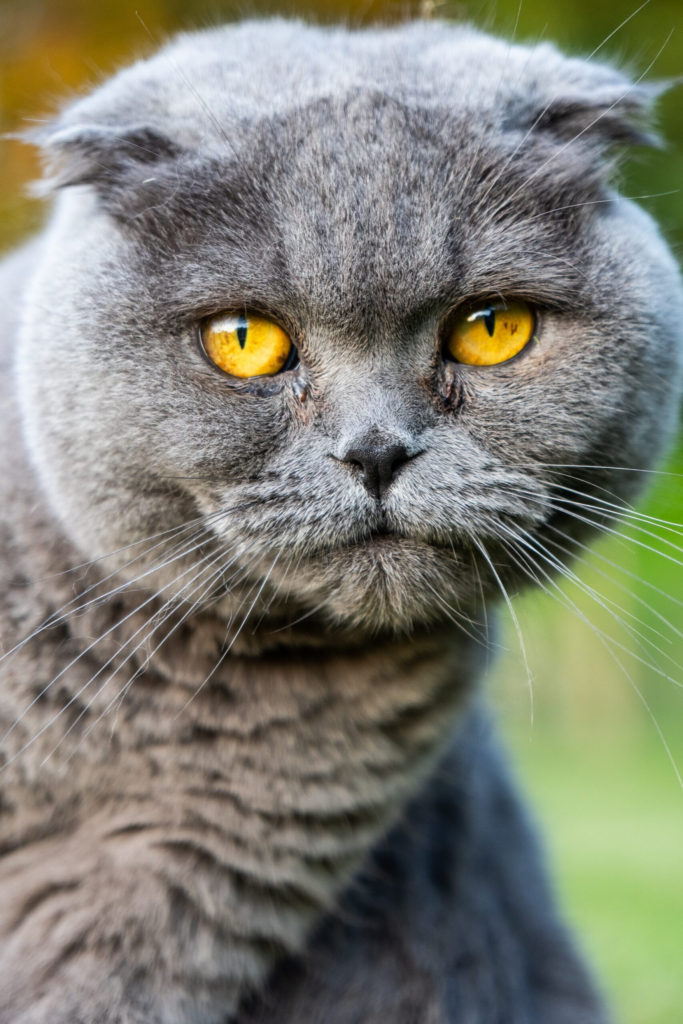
<point x="385" y="583"/>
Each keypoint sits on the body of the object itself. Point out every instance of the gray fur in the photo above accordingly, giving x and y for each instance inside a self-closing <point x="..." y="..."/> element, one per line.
<point x="182" y="863"/>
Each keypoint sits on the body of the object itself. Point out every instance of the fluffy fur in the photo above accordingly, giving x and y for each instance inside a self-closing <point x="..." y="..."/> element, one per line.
<point x="230" y="668"/>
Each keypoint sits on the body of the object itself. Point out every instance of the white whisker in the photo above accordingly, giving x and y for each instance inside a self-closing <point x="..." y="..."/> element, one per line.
<point x="232" y="642"/>
<point x="515" y="620"/>
<point x="607" y="642"/>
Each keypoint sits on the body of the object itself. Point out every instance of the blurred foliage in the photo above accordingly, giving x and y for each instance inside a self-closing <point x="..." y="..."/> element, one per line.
<point x="51" y="50"/>
<point x="612" y="814"/>
<point x="594" y="757"/>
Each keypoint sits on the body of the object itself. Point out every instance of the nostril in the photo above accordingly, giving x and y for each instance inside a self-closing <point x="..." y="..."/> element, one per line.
<point x="391" y="460"/>
<point x="379" y="464"/>
<point x="395" y="459"/>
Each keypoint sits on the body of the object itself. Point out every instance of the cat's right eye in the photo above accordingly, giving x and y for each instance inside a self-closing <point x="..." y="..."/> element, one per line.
<point x="246" y="345"/>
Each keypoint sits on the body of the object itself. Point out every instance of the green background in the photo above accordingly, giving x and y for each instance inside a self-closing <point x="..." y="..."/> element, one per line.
<point x="593" y="754"/>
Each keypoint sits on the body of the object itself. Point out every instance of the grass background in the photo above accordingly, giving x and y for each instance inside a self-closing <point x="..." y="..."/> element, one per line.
<point x="592" y="757"/>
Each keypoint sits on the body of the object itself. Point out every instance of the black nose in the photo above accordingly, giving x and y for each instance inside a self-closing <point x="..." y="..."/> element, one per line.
<point x="380" y="464"/>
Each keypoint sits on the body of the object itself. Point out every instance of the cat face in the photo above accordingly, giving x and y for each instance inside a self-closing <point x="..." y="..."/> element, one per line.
<point x="359" y="196"/>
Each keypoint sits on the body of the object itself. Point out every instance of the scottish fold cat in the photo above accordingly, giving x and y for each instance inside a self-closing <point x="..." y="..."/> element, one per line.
<point x="324" y="330"/>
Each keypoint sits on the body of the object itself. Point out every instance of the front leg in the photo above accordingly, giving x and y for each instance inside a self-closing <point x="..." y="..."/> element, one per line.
<point x="112" y="929"/>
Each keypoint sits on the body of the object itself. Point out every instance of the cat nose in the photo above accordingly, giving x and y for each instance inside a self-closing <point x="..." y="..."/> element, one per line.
<point x="379" y="462"/>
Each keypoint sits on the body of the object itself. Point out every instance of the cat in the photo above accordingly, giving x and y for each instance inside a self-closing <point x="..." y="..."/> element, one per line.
<point x="324" y="331"/>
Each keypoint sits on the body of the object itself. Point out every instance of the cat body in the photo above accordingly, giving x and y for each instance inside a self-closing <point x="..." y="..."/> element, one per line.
<point x="247" y="774"/>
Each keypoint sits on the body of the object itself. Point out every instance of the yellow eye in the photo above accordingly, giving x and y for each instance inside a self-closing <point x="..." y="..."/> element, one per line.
<point x="246" y="345"/>
<point x="491" y="333"/>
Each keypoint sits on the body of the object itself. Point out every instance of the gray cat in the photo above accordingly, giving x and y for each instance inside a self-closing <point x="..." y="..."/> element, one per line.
<point x="325" y="330"/>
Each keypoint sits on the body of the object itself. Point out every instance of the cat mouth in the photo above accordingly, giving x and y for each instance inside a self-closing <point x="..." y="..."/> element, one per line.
<point x="384" y="537"/>
<point x="374" y="538"/>
<point x="388" y="545"/>
<point x="382" y="534"/>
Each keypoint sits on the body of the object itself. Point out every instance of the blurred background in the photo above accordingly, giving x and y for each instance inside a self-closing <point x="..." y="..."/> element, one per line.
<point x="601" y="753"/>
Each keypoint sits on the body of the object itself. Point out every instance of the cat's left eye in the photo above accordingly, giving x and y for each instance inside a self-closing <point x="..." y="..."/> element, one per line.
<point x="491" y="332"/>
<point x="246" y="345"/>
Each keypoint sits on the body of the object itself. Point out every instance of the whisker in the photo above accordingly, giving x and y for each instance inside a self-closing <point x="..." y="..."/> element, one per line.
<point x="94" y="643"/>
<point x="172" y="600"/>
<point x="102" y="668"/>
<point x="594" y="465"/>
<point x="66" y="611"/>
<point x="211" y="586"/>
<point x="626" y="590"/>
<point x="275" y="593"/>
<point x="73" y="608"/>
<point x="627" y="572"/>
<point x="302" y="618"/>
<point x="600" y="600"/>
<point x="515" y="620"/>
<point x="116" y="551"/>
<point x="483" y="604"/>
<point x="613" y="508"/>
<point x="457" y="617"/>
<point x="151" y="625"/>
<point x="609" y="530"/>
<point x="232" y="642"/>
<point x="606" y="642"/>
<point x="208" y="585"/>
<point x="599" y="202"/>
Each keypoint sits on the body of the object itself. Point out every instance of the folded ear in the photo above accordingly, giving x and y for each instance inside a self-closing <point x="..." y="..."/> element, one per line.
<point x="112" y="160"/>
<point x="593" y="102"/>
<point x="620" y="119"/>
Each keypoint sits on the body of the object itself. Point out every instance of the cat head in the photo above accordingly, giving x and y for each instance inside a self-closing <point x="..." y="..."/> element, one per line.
<point x="361" y="307"/>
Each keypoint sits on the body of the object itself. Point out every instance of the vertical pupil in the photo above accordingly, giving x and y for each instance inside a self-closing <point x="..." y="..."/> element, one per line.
<point x="490" y="321"/>
<point x="242" y="331"/>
